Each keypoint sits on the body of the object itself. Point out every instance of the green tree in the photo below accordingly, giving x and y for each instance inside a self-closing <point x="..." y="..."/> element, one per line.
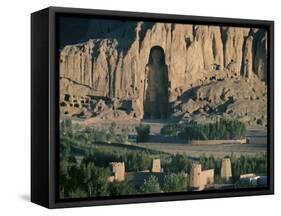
<point x="87" y="170"/>
<point x="94" y="179"/>
<point x="151" y="185"/>
<point x="172" y="129"/>
<point x="221" y="129"/>
<point x="98" y="135"/>
<point x="208" y="162"/>
<point x="120" y="188"/>
<point x="66" y="128"/>
<point x="111" y="135"/>
<point x="64" y="177"/>
<point x="175" y="182"/>
<point x="100" y="186"/>
<point x="143" y="132"/>
<point x="179" y="163"/>
<point x="123" y="137"/>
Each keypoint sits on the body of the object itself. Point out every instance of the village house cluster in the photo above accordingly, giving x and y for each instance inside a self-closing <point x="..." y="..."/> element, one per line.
<point x="198" y="179"/>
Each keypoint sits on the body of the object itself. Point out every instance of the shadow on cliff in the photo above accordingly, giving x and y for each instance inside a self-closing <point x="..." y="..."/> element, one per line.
<point x="73" y="30"/>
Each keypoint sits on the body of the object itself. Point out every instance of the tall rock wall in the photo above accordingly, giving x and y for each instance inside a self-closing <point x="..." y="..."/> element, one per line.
<point x="193" y="53"/>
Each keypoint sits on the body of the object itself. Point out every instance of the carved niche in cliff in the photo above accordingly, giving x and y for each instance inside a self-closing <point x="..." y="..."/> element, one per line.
<point x="156" y="85"/>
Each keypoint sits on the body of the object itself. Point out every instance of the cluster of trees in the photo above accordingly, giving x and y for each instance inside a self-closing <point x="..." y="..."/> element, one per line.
<point x="246" y="164"/>
<point x="172" y="129"/>
<point x="221" y="129"/>
<point x="150" y="186"/>
<point x="113" y="137"/>
<point x="175" y="182"/>
<point x="134" y="160"/>
<point x="172" y="183"/>
<point x="249" y="164"/>
<point x="210" y="162"/>
<point x="85" y="179"/>
<point x="239" y="165"/>
<point x="66" y="128"/>
<point x="94" y="135"/>
<point x="143" y="132"/>
<point x="88" y="179"/>
<point x="179" y="163"/>
<point x="93" y="183"/>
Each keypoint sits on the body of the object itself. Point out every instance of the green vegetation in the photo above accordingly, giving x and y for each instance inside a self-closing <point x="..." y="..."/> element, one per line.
<point x="221" y="129"/>
<point x="239" y="165"/>
<point x="179" y="163"/>
<point x="66" y="128"/>
<point x="246" y="164"/>
<point x="84" y="164"/>
<point x="121" y="188"/>
<point x="123" y="137"/>
<point x="135" y="161"/>
<point x="89" y="178"/>
<point x="93" y="135"/>
<point x="94" y="179"/>
<point x="151" y="185"/>
<point x="173" y="129"/>
<point x="210" y="163"/>
<point x="101" y="156"/>
<point x="143" y="132"/>
<point x="175" y="182"/>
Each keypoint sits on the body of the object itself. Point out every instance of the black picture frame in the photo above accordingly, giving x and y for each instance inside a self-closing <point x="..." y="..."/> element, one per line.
<point x="45" y="115"/>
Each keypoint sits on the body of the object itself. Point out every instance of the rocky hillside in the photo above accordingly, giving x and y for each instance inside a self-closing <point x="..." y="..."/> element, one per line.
<point x="224" y="69"/>
<point x="224" y="98"/>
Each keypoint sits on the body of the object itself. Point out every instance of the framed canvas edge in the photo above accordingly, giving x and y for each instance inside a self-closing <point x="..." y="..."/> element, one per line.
<point x="53" y="203"/>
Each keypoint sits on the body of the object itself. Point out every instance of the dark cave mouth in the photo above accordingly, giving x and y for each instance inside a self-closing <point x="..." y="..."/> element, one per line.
<point x="156" y="89"/>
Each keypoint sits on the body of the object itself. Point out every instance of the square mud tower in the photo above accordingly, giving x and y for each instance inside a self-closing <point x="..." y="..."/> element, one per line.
<point x="156" y="166"/>
<point x="226" y="168"/>
<point x="195" y="175"/>
<point x="118" y="169"/>
<point x="198" y="178"/>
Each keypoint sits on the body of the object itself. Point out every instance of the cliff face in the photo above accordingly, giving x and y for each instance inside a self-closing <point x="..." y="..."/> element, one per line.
<point x="194" y="55"/>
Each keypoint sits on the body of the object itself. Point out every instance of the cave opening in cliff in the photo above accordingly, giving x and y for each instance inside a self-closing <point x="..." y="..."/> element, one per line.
<point x="156" y="85"/>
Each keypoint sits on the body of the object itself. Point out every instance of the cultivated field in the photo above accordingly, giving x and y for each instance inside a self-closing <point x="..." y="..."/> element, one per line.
<point x="257" y="141"/>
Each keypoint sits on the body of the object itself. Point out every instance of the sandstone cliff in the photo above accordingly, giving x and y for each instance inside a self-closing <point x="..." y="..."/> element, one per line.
<point x="113" y="68"/>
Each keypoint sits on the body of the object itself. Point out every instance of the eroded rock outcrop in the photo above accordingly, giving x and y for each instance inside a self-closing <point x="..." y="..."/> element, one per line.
<point x="221" y="98"/>
<point x="195" y="55"/>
